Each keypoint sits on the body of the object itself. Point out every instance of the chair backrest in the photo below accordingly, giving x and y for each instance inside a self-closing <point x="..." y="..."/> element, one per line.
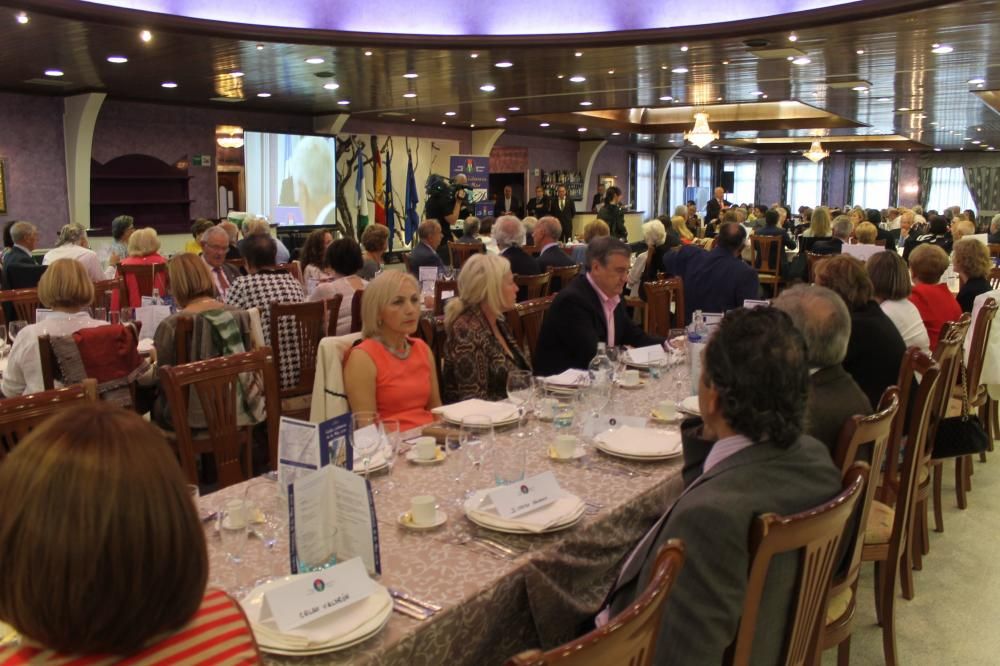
<point x="431" y="331"/>
<point x="293" y="268"/>
<point x="995" y="275"/>
<point x="23" y="302"/>
<point x="976" y="353"/>
<point x="561" y="276"/>
<point x="630" y="637"/>
<point x="333" y="313"/>
<point x="406" y="261"/>
<point x="812" y="258"/>
<point x="239" y="263"/>
<point x="536" y="285"/>
<point x="105" y="287"/>
<point x="658" y="320"/>
<point x="815" y="535"/>
<point x="20" y="415"/>
<point x="215" y="383"/>
<point x="329" y="396"/>
<point x="766" y="256"/>
<point x="356" y="310"/>
<point x="308" y="327"/>
<point x="145" y="277"/>
<point x="460" y="252"/>
<point x="525" y="322"/>
<point x="183" y="336"/>
<point x="49" y="362"/>
<point x="948" y="355"/>
<point x="440" y="287"/>
<point x="994" y="250"/>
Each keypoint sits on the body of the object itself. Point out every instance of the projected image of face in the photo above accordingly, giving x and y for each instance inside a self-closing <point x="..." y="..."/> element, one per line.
<point x="291" y="179"/>
<point x="311" y="166"/>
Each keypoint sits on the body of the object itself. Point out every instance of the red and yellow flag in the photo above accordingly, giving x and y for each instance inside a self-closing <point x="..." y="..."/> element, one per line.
<point x="379" y="183"/>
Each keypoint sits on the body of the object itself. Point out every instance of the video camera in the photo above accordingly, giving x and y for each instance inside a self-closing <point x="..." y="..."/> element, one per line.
<point x="440" y="186"/>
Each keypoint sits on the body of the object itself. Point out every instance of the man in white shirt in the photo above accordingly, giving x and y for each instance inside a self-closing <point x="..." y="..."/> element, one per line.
<point x="73" y="244"/>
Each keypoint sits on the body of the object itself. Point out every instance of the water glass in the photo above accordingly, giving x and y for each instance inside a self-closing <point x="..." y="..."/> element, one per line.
<point x="126" y="316"/>
<point x="520" y="390"/>
<point x="564" y="414"/>
<point x="366" y="447"/>
<point x="233" y="521"/>
<point x="390" y="447"/>
<point x="508" y="464"/>
<point x="658" y="367"/>
<point x="266" y="511"/>
<point x="476" y="438"/>
<point x="15" y="327"/>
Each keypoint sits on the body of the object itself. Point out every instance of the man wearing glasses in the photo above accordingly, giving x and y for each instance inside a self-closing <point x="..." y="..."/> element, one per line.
<point x="214" y="247"/>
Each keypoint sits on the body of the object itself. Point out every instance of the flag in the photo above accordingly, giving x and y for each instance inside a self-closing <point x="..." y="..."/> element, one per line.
<point x="361" y="192"/>
<point x="379" y="186"/>
<point x="390" y="214"/>
<point x="412" y="200"/>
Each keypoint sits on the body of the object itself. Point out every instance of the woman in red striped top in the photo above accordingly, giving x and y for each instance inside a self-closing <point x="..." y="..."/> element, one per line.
<point x="102" y="551"/>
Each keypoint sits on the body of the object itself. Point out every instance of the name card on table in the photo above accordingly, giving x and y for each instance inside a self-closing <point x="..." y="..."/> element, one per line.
<point x="304" y="447"/>
<point x="331" y="517"/>
<point x="308" y="598"/>
<point x="150" y="316"/>
<point x="595" y="425"/>
<point x="645" y="355"/>
<point x="427" y="275"/>
<point x="533" y="493"/>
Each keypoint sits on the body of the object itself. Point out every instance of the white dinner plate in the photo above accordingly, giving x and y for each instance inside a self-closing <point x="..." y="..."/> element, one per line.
<point x="325" y="650"/>
<point x="570" y="520"/>
<point x="640" y="443"/>
<point x="496" y="424"/>
<point x="690" y="405"/>
<point x="629" y="456"/>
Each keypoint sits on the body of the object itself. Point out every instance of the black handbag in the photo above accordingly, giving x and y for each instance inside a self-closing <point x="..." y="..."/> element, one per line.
<point x="960" y="435"/>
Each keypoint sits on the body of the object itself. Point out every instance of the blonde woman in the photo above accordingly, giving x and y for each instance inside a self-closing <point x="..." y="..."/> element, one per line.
<point x="971" y="259"/>
<point x="819" y="223"/>
<point x="680" y="226"/>
<point x="481" y="351"/>
<point x="390" y="372"/>
<point x="866" y="233"/>
<point x="143" y="250"/>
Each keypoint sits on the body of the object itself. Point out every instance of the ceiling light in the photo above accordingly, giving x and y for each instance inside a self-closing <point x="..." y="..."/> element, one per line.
<point x="331" y="86"/>
<point x="757" y="93"/>
<point x="449" y="113"/>
<point x="559" y="76"/>
<point x="408" y="95"/>
<point x="976" y="81"/>
<point x="616" y="134"/>
<point x="22" y="18"/>
<point x="793" y="37"/>
<point x="543" y="124"/>
<point x="233" y="140"/>
<point x="473" y="55"/>
<point x="790" y="58"/>
<point x="444" y="122"/>
<point x="118" y="60"/>
<point x="578" y="54"/>
<point x="410" y="75"/>
<point x="501" y="119"/>
<point x="815" y="152"/>
<point x="315" y="61"/>
<point x="611" y="71"/>
<point x="663" y="67"/>
<point x="263" y="94"/>
<point x="884" y="99"/>
<point x="504" y="64"/>
<point x="684" y="48"/>
<point x="666" y="98"/>
<point x="168" y="84"/>
<point x="344" y="102"/>
<point x="581" y="129"/>
<point x="718" y="99"/>
<point x="701" y="134"/>
<point x="860" y="88"/>
<point x="977" y="142"/>
<point x="146" y="36"/>
<point x="236" y="75"/>
<point x="260" y="47"/>
<point x="578" y="79"/>
<point x="725" y="62"/>
<point x="54" y="72"/>
<point x="586" y="103"/>
<point x="680" y="70"/>
<point x="801" y="61"/>
<point x="472" y="125"/>
<point x="860" y="51"/>
<point x="903" y="108"/>
<point x="937" y="150"/>
<point x="487" y="87"/>
<point x="513" y="108"/>
<point x="942" y="49"/>
<point x="368" y="53"/>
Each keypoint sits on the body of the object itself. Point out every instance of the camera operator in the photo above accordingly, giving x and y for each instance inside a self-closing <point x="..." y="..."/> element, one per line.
<point x="448" y="204"/>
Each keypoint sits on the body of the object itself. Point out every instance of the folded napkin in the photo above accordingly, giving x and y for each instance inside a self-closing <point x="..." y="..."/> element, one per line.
<point x="342" y="626"/>
<point x="377" y="459"/>
<point x="569" y="377"/>
<point x="563" y="510"/>
<point x="690" y="405"/>
<point x="646" y="354"/>
<point x="641" y="441"/>
<point x="498" y="412"/>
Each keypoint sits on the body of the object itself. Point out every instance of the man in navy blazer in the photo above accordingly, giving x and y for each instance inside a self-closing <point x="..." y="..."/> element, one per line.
<point x="718" y="280"/>
<point x="547" y="233"/>
<point x="25" y="237"/>
<point x="425" y="253"/>
<point x="589" y="310"/>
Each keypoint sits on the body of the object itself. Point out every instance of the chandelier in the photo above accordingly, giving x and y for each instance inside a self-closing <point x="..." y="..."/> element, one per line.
<point x="231" y="141"/>
<point x="702" y="134"/>
<point x="816" y="152"/>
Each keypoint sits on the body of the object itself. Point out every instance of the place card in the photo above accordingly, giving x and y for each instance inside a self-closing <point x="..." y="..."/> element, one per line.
<point x="309" y="597"/>
<point x="151" y="316"/>
<point x="594" y="425"/>
<point x="647" y="354"/>
<point x="750" y="303"/>
<point x="304" y="447"/>
<point x="427" y="275"/>
<point x="517" y="499"/>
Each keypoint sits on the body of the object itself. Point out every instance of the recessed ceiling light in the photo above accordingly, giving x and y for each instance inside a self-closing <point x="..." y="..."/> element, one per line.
<point x="937" y="150"/>
<point x="260" y="47"/>
<point x="790" y="58"/>
<point x="410" y="75"/>
<point x="666" y="98"/>
<point x="473" y="55"/>
<point x="801" y="61"/>
<point x="444" y="122"/>
<point x="860" y="51"/>
<point x="344" y="102"/>
<point x="146" y="36"/>
<point x="504" y="64"/>
<point x="616" y="134"/>
<point x="54" y="72"/>
<point x="168" y="84"/>
<point x="315" y="61"/>
<point x="331" y="86"/>
<point x="513" y="108"/>
<point x="860" y="88"/>
<point x="839" y="150"/>
<point x="263" y="94"/>
<point x="903" y="108"/>
<point x="976" y="142"/>
<point x="942" y="49"/>
<point x="977" y="81"/>
<point x="725" y="62"/>
<point x="22" y="18"/>
<point x="966" y="138"/>
<point x="578" y="78"/>
<point x="718" y="99"/>
<point x="409" y="95"/>
<point x="236" y="75"/>
<point x="560" y="76"/>
<point x="543" y="124"/>
<point x="680" y="70"/>
<point x="586" y="103"/>
<point x="413" y="120"/>
<point x="472" y="125"/>
<point x="581" y="129"/>
<point x="487" y="87"/>
<point x="578" y="54"/>
<point x="611" y="71"/>
<point x="979" y="129"/>
<point x="449" y="113"/>
<point x="884" y="99"/>
<point x="684" y="48"/>
<point x="793" y="37"/>
<point x="763" y="96"/>
<point x="368" y="53"/>
<point x="118" y="60"/>
<point x="501" y="119"/>
<point x="757" y="93"/>
<point x="715" y="147"/>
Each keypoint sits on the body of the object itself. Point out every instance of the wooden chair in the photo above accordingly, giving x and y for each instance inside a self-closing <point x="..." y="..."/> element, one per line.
<point x="658" y="318"/>
<point x="561" y="276"/>
<point x="105" y="287"/>
<point x="979" y="398"/>
<point x="145" y="278"/>
<point x="356" y="310"/>
<point x="994" y="251"/>
<point x="765" y="258"/>
<point x="431" y="330"/>
<point x="525" y="322"/>
<point x="333" y="313"/>
<point x="24" y="302"/>
<point x="47" y="359"/>
<point x="815" y="535"/>
<point x="215" y="383"/>
<point x="630" y="637"/>
<point x="995" y="275"/>
<point x="812" y="258"/>
<point x="440" y="287"/>
<point x="406" y="260"/>
<point x="183" y="336"/>
<point x="537" y="285"/>
<point x="862" y="439"/>
<point x="22" y="414"/>
<point x="238" y="263"/>
<point x="309" y="326"/>
<point x="293" y="268"/>
<point x="460" y="252"/>
<point x="532" y="250"/>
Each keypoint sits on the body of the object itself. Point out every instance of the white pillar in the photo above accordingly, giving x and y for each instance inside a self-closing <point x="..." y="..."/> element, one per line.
<point x="483" y="140"/>
<point x="79" y="120"/>
<point x="585" y="159"/>
<point x="663" y="159"/>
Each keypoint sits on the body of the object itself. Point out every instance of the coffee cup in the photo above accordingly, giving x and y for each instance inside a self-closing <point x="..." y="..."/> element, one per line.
<point x="565" y="446"/>
<point x="422" y="509"/>
<point x="426" y="448"/>
<point x="666" y="410"/>
<point x="630" y="378"/>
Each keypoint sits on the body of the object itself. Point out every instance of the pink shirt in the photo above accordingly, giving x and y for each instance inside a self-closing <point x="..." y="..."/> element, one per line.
<point x="609" y="303"/>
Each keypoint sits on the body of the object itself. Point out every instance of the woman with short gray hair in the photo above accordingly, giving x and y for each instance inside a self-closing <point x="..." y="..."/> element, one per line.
<point x="644" y="270"/>
<point x="73" y="245"/>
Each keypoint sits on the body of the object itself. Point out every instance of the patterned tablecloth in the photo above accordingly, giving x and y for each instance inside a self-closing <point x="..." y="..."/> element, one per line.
<point x="492" y="607"/>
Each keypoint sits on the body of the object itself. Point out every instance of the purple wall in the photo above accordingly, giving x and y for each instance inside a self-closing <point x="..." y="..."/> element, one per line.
<point x="31" y="145"/>
<point x="613" y="160"/>
<point x="365" y="128"/>
<point x="547" y="154"/>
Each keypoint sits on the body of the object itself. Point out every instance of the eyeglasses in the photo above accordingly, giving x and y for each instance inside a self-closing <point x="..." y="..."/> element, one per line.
<point x="217" y="248"/>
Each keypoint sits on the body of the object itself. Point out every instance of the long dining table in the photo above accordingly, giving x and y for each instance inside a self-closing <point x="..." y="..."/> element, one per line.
<point x="493" y="605"/>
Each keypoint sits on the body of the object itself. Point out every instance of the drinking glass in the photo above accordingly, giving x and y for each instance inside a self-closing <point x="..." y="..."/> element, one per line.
<point x="266" y="511"/>
<point x="520" y="389"/>
<point x="101" y="314"/>
<point x="658" y="367"/>
<point x="452" y="444"/>
<point x="233" y="529"/>
<point x="15" y="327"/>
<point x="508" y="464"/>
<point x="476" y="437"/>
<point x="564" y="413"/>
<point x="390" y="448"/>
<point x="367" y="446"/>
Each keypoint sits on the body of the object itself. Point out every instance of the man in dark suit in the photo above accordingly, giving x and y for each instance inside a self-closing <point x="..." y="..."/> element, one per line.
<point x="589" y="310"/>
<point x="598" y="200"/>
<point x="713" y="211"/>
<point x="425" y="253"/>
<point x="509" y="234"/>
<point x="841" y="230"/>
<point x="214" y="247"/>
<point x="746" y="456"/>
<point x="718" y="280"/>
<point x="564" y="210"/>
<point x="822" y="318"/>
<point x="508" y="204"/>
<point x="470" y="231"/>
<point x="539" y="204"/>
<point x="19" y="258"/>
<point x="547" y="233"/>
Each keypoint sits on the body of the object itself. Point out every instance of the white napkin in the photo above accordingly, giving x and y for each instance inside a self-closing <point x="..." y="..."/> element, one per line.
<point x="145" y="346"/>
<point x="341" y="626"/>
<point x="641" y="441"/>
<point x="377" y="459"/>
<point x="690" y="405"/>
<point x="565" y="509"/>
<point x="570" y="377"/>
<point x="498" y="412"/>
<point x="646" y="354"/>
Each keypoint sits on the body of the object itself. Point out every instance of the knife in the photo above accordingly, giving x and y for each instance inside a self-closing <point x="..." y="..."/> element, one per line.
<point x="399" y="607"/>
<point x="434" y="608"/>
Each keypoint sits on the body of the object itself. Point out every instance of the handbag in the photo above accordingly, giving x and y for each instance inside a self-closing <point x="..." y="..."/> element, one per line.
<point x="960" y="435"/>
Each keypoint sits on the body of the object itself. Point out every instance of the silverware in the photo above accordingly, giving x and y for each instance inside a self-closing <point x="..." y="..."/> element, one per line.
<point x="397" y="594"/>
<point x="507" y="551"/>
<point x="408" y="611"/>
<point x="492" y="551"/>
<point x="210" y="517"/>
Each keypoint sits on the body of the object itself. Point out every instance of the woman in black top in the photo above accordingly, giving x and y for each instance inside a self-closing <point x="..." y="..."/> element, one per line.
<point x="612" y="213"/>
<point x="972" y="262"/>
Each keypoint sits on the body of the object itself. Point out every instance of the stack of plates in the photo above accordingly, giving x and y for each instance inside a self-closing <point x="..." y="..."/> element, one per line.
<point x="500" y="413"/>
<point x="337" y="631"/>
<point x="567" y="381"/>
<point x="564" y="512"/>
<point x="640" y="443"/>
<point x="689" y="405"/>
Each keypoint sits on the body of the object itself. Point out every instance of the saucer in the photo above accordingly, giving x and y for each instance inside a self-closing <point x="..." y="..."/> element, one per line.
<point x="577" y="454"/>
<point x="439" y="457"/>
<point x="631" y="387"/>
<point x="655" y="416"/>
<point x="406" y="521"/>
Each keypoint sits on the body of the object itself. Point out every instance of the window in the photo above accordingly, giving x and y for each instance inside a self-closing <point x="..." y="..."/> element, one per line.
<point x="677" y="184"/>
<point x="805" y="184"/>
<point x="948" y="188"/>
<point x="705" y="174"/>
<point x="644" y="184"/>
<point x="871" y="183"/>
<point x="744" y="181"/>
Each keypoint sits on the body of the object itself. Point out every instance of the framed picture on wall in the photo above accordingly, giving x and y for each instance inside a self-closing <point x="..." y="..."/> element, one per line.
<point x="3" y="186"/>
<point x="607" y="180"/>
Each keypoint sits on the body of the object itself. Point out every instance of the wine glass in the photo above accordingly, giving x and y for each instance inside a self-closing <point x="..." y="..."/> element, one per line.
<point x="15" y="327"/>
<point x="367" y="443"/>
<point x="233" y="522"/>
<point x="266" y="510"/>
<point x="390" y="448"/>
<point x="520" y="386"/>
<point x="476" y="436"/>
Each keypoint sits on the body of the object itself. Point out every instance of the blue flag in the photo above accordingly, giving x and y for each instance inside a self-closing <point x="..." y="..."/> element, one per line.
<point x="390" y="214"/>
<point x="412" y="199"/>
